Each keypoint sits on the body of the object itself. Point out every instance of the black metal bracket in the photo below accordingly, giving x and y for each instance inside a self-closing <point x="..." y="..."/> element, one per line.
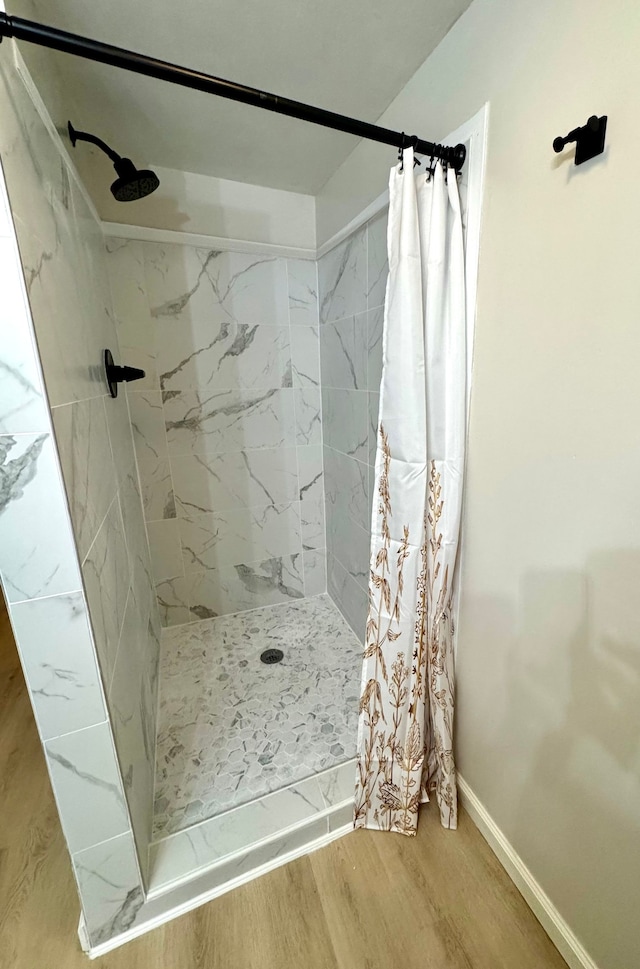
<point x="116" y="375"/>
<point x="589" y="139"/>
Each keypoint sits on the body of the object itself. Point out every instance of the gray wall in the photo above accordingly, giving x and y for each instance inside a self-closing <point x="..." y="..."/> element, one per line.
<point x="351" y="280"/>
<point x="226" y="423"/>
<point x="82" y="600"/>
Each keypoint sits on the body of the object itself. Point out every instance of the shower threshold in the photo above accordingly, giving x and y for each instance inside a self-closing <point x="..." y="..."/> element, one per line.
<point x="253" y="761"/>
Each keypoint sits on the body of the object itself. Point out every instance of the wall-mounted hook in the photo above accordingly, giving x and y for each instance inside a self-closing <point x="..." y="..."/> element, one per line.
<point x="116" y="375"/>
<point x="589" y="139"/>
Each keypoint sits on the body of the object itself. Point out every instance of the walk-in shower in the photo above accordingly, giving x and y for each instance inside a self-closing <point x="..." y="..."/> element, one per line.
<point x="171" y="535"/>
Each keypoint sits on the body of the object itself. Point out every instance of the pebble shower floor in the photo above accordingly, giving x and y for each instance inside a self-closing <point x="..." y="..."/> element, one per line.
<point x="231" y="728"/>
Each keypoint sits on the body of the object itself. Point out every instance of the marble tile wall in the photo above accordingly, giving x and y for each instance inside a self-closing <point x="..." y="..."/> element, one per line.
<point x="227" y="423"/>
<point x="351" y="290"/>
<point x="74" y="561"/>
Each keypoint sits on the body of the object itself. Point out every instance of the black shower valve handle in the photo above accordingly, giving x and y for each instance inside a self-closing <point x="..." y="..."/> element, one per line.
<point x="116" y="374"/>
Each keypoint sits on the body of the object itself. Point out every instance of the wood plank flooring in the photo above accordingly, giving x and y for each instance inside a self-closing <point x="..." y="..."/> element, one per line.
<point x="368" y="901"/>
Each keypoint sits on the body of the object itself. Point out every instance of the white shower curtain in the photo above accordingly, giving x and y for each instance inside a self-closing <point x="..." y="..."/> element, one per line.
<point x="405" y="733"/>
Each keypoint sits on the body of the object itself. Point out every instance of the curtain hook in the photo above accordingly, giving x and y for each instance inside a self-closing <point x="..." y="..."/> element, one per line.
<point x="414" y="142"/>
<point x="401" y="152"/>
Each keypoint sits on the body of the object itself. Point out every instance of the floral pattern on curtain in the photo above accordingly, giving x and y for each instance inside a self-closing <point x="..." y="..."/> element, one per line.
<point x="405" y="734"/>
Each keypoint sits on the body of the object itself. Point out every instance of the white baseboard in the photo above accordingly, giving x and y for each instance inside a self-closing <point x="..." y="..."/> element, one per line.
<point x="560" y="933"/>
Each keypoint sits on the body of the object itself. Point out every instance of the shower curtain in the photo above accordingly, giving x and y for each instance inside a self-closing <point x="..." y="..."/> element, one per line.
<point x="405" y="732"/>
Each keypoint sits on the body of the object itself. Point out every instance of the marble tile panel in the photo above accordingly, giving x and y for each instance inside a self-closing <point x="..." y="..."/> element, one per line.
<point x="350" y="545"/>
<point x="150" y="438"/>
<point x="303" y="292"/>
<point x="173" y="601"/>
<point x="120" y="434"/>
<point x="86" y="783"/>
<point x="82" y="437"/>
<point x="106" y="579"/>
<point x="230" y="420"/>
<point x="312" y="523"/>
<point x="348" y="595"/>
<point x="239" y="535"/>
<point x="315" y="571"/>
<point x="346" y="487"/>
<point x="308" y="410"/>
<point x="338" y="784"/>
<point x="305" y="356"/>
<point x="342" y="279"/>
<point x="193" y="285"/>
<point x="126" y="270"/>
<point x="345" y="421"/>
<point x="57" y="654"/>
<point x="136" y="540"/>
<point x="343" y="350"/>
<point x="22" y="405"/>
<point x="251" y="585"/>
<point x="272" y="852"/>
<point x="165" y="549"/>
<point x="222" y="355"/>
<point x="110" y="887"/>
<point x="235" y="479"/>
<point x="310" y="471"/>
<point x="375" y="323"/>
<point x="377" y="262"/>
<point x="132" y="708"/>
<point x="37" y="550"/>
<point x="214" y="839"/>
<point x="374" y="408"/>
<point x="255" y="728"/>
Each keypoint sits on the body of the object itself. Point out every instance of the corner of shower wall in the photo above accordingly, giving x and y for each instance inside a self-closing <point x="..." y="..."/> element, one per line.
<point x="227" y="421"/>
<point x="352" y="278"/>
<point x="73" y="550"/>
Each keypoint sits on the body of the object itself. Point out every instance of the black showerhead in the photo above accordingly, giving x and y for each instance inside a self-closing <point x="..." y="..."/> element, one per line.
<point x="131" y="183"/>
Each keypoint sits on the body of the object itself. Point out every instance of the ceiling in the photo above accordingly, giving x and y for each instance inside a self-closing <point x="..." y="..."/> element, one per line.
<point x="351" y="56"/>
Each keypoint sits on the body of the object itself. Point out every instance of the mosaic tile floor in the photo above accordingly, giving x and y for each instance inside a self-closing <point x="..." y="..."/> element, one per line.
<point x="232" y="728"/>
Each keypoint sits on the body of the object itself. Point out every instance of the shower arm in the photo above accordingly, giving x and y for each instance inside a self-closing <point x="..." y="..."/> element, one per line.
<point x="94" y="140"/>
<point x="94" y="50"/>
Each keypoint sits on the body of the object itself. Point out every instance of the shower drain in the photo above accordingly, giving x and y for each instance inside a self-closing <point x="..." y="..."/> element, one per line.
<point x="271" y="656"/>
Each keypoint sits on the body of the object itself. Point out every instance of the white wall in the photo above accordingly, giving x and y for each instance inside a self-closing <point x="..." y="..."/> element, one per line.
<point x="200" y="204"/>
<point x="549" y="638"/>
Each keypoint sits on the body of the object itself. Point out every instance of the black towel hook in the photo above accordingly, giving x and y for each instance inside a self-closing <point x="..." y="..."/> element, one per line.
<point x="589" y="139"/>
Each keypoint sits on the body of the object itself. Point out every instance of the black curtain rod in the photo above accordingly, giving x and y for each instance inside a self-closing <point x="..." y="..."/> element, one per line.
<point x="94" y="50"/>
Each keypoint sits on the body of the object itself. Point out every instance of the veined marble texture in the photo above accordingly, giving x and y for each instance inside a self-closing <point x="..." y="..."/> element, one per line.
<point x="349" y="595"/>
<point x="229" y="420"/>
<point x="352" y="289"/>
<point x="342" y="279"/>
<point x="218" y="355"/>
<point x="32" y="505"/>
<point x="228" y="437"/>
<point x="22" y="405"/>
<point x="303" y="292"/>
<point x="110" y="888"/>
<point x="69" y="311"/>
<point x="235" y="479"/>
<point x="59" y="663"/>
<point x="87" y="464"/>
<point x="345" y="421"/>
<point x="232" y="729"/>
<point x="241" y="535"/>
<point x="188" y="284"/>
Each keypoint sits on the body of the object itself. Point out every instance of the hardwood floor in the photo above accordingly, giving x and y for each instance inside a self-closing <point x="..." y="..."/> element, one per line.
<point x="368" y="901"/>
